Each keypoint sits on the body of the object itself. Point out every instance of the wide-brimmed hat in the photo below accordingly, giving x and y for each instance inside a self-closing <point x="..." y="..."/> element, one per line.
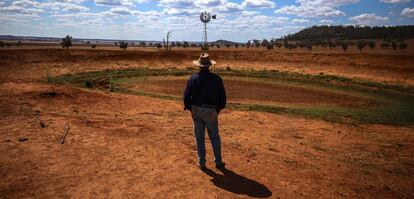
<point x="204" y="61"/>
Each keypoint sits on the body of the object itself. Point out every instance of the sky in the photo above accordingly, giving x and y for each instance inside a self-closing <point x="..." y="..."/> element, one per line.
<point x="237" y="20"/>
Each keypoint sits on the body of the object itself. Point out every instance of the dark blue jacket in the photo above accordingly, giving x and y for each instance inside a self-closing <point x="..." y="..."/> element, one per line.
<point x="205" y="88"/>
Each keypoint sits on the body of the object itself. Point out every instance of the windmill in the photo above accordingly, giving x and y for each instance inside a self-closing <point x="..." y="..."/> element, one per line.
<point x="205" y="17"/>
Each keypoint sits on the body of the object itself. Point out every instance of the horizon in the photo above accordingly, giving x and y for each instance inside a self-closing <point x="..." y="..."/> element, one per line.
<point x="150" y="20"/>
<point x="116" y="39"/>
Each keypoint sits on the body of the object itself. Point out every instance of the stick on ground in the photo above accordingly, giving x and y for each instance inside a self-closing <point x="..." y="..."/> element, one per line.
<point x="62" y="141"/>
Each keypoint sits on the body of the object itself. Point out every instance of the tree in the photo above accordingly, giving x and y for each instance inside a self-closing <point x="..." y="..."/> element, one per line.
<point x="256" y="43"/>
<point x="265" y="43"/>
<point x="403" y="45"/>
<point x="218" y="45"/>
<point x="361" y="44"/>
<point x="19" y="43"/>
<point x="236" y="45"/>
<point x="93" y="46"/>
<point x="371" y="45"/>
<point x="66" y="42"/>
<point x="185" y="44"/>
<point x="227" y="45"/>
<point x="116" y="43"/>
<point x="344" y="46"/>
<point x="167" y="42"/>
<point x="249" y="44"/>
<point x="159" y="45"/>
<point x="394" y="45"/>
<point x="2" y="44"/>
<point x="279" y="45"/>
<point x="285" y="44"/>
<point x="269" y="46"/>
<point x="142" y="44"/>
<point x="123" y="45"/>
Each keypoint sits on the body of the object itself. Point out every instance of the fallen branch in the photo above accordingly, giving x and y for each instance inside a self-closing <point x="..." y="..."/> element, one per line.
<point x="62" y="141"/>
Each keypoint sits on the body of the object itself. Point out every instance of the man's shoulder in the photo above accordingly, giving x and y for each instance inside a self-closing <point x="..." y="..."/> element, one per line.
<point x="216" y="76"/>
<point x="194" y="76"/>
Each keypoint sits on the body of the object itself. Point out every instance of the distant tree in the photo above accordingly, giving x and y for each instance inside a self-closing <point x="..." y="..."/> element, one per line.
<point x="236" y="45"/>
<point x="66" y="42"/>
<point x="394" y="45"/>
<point x="385" y="45"/>
<point x="344" y="46"/>
<point x="185" y="44"/>
<point x="269" y="46"/>
<point x="265" y="43"/>
<point x="19" y="43"/>
<point x="123" y="45"/>
<point x="218" y="45"/>
<point x="371" y="45"/>
<point x="292" y="46"/>
<point x="159" y="45"/>
<point x="203" y="47"/>
<point x="227" y="45"/>
<point x="93" y="46"/>
<point x="116" y="43"/>
<point x="256" y="43"/>
<point x="2" y="44"/>
<point x="279" y="45"/>
<point x="403" y="46"/>
<point x="142" y="44"/>
<point x="151" y="44"/>
<point x="285" y="44"/>
<point x="249" y="44"/>
<point x="361" y="44"/>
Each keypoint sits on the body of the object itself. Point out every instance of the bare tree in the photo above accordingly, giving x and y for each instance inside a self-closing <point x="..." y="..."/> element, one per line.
<point x="167" y="43"/>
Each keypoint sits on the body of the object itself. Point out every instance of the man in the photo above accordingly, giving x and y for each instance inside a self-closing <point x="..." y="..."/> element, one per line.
<point x="205" y="97"/>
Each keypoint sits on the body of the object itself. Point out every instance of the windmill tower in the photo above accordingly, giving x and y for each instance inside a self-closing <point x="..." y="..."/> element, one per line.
<point x="205" y="17"/>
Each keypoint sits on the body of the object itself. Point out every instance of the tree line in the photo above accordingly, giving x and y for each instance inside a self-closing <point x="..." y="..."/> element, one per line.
<point x="316" y="33"/>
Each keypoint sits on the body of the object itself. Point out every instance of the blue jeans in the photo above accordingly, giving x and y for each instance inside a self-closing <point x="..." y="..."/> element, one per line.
<point x="202" y="118"/>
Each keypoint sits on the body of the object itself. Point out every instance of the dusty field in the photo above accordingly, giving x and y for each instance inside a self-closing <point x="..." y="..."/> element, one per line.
<point x="129" y="146"/>
<point x="246" y="91"/>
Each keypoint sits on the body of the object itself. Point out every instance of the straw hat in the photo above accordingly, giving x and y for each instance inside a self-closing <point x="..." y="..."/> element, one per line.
<point x="204" y="61"/>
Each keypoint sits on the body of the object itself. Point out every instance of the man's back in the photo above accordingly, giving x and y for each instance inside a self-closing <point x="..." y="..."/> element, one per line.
<point x="205" y="88"/>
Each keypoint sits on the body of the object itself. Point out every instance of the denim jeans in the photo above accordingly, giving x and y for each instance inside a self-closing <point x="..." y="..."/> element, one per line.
<point x="202" y="118"/>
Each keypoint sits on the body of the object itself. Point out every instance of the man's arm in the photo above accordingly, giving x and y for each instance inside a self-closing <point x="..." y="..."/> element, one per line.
<point x="187" y="95"/>
<point x="222" y="97"/>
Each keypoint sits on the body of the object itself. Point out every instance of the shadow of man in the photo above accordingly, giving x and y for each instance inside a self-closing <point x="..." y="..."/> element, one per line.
<point x="235" y="183"/>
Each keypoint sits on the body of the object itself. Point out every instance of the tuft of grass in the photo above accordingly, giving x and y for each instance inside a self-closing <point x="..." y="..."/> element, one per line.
<point x="49" y="77"/>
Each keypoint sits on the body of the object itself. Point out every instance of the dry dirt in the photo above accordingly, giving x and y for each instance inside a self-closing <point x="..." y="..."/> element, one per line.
<point x="246" y="91"/>
<point x="124" y="146"/>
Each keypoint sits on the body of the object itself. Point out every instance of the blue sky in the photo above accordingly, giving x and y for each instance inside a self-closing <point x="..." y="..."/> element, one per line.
<point x="237" y="20"/>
